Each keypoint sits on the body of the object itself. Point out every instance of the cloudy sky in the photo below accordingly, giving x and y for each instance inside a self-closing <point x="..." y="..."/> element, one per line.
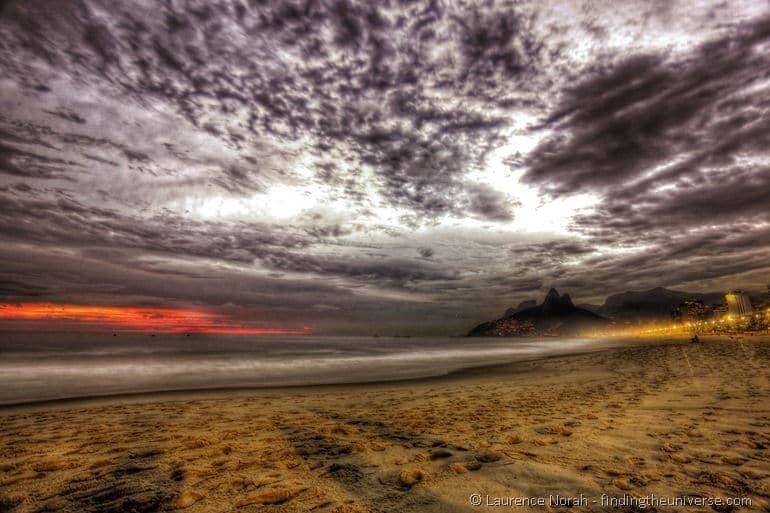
<point x="394" y="166"/>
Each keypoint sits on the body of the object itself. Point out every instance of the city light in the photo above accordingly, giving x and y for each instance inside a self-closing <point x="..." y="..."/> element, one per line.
<point x="692" y="317"/>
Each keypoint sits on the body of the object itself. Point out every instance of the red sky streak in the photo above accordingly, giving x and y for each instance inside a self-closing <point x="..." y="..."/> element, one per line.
<point x="128" y="318"/>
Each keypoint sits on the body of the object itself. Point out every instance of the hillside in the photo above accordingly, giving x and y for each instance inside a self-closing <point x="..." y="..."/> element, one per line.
<point x="557" y="315"/>
<point x="653" y="304"/>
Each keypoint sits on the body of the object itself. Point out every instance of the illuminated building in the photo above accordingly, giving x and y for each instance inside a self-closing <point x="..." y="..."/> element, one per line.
<point x="692" y="310"/>
<point x="738" y="303"/>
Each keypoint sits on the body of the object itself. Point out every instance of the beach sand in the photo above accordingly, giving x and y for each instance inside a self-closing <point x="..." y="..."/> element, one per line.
<point x="669" y="419"/>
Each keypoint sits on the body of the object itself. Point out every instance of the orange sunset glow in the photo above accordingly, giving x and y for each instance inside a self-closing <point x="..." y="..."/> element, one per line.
<point x="124" y="318"/>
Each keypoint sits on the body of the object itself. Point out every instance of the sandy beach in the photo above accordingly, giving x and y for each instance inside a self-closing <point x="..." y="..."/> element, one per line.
<point x="671" y="419"/>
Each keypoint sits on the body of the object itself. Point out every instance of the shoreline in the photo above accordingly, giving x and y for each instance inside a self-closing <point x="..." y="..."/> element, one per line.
<point x="667" y="418"/>
<point x="218" y="392"/>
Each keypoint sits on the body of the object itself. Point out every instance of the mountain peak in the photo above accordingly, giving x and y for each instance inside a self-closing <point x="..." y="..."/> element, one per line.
<point x="557" y="314"/>
<point x="552" y="298"/>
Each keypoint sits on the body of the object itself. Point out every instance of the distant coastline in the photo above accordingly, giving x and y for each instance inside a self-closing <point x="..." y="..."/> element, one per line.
<point x="26" y="378"/>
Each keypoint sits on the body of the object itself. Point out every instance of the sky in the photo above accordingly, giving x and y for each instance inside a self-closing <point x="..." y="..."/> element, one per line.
<point x="374" y="167"/>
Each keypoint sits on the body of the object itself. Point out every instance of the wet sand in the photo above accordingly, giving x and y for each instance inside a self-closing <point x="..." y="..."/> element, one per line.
<point x="671" y="419"/>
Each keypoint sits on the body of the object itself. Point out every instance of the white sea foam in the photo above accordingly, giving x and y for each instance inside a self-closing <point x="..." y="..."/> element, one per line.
<point x="94" y="365"/>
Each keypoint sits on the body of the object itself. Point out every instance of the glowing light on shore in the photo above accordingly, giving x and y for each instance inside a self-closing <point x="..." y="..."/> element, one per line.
<point x="126" y="318"/>
<point x="728" y="324"/>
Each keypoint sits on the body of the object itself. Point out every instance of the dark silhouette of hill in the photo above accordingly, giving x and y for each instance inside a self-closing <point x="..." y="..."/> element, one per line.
<point x="653" y="304"/>
<point x="556" y="315"/>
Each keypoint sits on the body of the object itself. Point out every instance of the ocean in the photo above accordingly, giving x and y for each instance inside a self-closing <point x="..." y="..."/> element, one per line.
<point x="36" y="367"/>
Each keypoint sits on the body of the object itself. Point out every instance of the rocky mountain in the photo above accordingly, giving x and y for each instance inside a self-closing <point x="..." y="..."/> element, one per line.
<point x="556" y="315"/>
<point x="653" y="304"/>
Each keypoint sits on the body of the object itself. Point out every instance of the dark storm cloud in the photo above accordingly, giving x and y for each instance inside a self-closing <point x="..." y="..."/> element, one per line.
<point x="676" y="149"/>
<point x="236" y="293"/>
<point x="68" y="115"/>
<point x="362" y="81"/>
<point x="162" y="153"/>
<point x="68" y="222"/>
<point x="123" y="279"/>
<point x="239" y="179"/>
<point x="651" y="119"/>
<point x="554" y="249"/>
<point x="486" y="202"/>
<point x="38" y="151"/>
<point x="14" y="290"/>
<point x="737" y="194"/>
<point x="426" y="252"/>
<point x="384" y="272"/>
<point x="136" y="156"/>
<point x="685" y="258"/>
<point x="27" y="164"/>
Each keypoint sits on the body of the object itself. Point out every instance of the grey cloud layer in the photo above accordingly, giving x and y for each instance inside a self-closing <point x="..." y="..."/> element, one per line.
<point x="667" y="140"/>
<point x="113" y="111"/>
<point x="416" y="93"/>
<point x="676" y="148"/>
